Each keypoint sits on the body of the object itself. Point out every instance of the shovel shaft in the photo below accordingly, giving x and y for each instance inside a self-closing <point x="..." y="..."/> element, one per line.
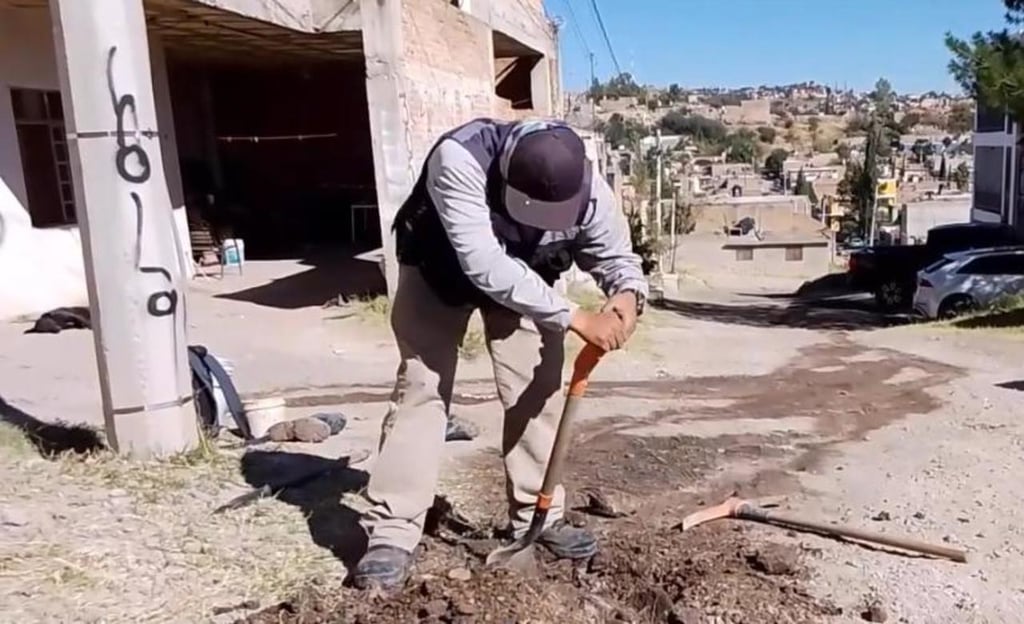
<point x="582" y="367"/>
<point x="508" y="555"/>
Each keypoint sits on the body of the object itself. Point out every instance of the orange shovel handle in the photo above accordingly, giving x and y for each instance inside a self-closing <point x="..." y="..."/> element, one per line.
<point x="585" y="363"/>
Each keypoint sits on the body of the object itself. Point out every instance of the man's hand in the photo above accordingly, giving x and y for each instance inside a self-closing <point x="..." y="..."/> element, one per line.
<point x="602" y="329"/>
<point x="623" y="305"/>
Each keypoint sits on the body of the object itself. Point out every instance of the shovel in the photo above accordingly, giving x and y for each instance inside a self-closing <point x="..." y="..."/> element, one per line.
<point x="520" y="552"/>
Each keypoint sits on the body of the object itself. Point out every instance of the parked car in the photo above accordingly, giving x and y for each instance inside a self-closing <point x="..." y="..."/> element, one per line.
<point x="965" y="281"/>
<point x="890" y="272"/>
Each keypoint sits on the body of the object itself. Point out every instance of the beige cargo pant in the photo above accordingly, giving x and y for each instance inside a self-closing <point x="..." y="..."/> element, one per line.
<point x="528" y="375"/>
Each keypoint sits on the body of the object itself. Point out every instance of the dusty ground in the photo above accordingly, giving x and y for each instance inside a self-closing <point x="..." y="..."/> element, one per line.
<point x="842" y="415"/>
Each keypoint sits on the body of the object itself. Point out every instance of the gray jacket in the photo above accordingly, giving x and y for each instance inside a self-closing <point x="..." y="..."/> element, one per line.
<point x="602" y="247"/>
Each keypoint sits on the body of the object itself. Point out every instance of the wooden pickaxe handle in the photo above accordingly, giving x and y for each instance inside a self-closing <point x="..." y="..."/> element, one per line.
<point x="749" y="511"/>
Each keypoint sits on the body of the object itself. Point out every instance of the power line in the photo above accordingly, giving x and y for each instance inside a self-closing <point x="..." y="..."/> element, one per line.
<point x="576" y="27"/>
<point x="607" y="40"/>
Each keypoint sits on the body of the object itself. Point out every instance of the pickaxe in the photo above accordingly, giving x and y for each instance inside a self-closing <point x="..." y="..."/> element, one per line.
<point x="741" y="509"/>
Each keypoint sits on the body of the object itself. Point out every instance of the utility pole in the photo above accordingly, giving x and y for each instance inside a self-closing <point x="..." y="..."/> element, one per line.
<point x="657" y="186"/>
<point x="593" y="95"/>
<point x="134" y="267"/>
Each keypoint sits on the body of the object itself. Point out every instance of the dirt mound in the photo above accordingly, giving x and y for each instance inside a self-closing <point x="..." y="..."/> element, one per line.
<point x="712" y="574"/>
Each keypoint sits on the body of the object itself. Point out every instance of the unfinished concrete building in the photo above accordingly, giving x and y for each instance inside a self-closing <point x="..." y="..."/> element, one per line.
<point x="291" y="124"/>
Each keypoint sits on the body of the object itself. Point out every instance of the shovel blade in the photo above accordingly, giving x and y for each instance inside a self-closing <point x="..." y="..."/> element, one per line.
<point x="518" y="555"/>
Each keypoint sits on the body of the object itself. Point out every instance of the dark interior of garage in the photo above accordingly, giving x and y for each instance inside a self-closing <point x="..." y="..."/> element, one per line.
<point x="275" y="154"/>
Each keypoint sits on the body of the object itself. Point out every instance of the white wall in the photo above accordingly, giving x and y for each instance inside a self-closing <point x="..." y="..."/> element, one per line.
<point x="42" y="268"/>
<point x="39" y="268"/>
<point x="924" y="215"/>
<point x="704" y="256"/>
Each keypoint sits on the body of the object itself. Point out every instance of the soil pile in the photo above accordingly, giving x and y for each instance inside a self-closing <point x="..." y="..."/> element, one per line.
<point x="711" y="574"/>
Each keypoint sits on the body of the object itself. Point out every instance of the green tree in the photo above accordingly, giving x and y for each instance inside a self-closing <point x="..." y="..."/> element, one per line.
<point x="858" y="125"/>
<point x="741" y="147"/>
<point x="773" y="164"/>
<point x="909" y="122"/>
<point x="801" y="182"/>
<point x="843" y="151"/>
<point x="643" y="246"/>
<point x="766" y="134"/>
<point x="883" y="97"/>
<point x="622" y="85"/>
<point x="858" y="186"/>
<point x="961" y="176"/>
<point x="990" y="66"/>
<point x="922" y="149"/>
<point x="961" y="118"/>
<point x="700" y="128"/>
<point x="805" y="188"/>
<point x="621" y="132"/>
<point x="675" y="92"/>
<point x="868" y="183"/>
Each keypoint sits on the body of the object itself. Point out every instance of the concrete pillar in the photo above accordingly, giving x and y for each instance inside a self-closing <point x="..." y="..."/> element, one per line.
<point x="540" y="88"/>
<point x="134" y="266"/>
<point x="389" y="121"/>
<point x="169" y="144"/>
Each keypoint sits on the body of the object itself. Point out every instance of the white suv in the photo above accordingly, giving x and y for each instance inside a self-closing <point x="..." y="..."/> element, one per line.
<point x="968" y="280"/>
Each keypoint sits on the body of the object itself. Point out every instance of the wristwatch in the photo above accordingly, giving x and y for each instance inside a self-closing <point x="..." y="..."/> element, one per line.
<point x="641" y="300"/>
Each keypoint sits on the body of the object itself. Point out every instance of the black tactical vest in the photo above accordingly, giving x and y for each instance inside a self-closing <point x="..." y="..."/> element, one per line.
<point x="422" y="242"/>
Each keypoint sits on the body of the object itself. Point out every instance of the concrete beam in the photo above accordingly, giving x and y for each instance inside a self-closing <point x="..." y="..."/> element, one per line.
<point x="517" y="21"/>
<point x="335" y="15"/>
<point x="289" y="14"/>
<point x="310" y="16"/>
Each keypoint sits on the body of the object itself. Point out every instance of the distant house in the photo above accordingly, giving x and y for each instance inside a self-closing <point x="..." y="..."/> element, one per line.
<point x="771" y="213"/>
<point x="780" y="254"/>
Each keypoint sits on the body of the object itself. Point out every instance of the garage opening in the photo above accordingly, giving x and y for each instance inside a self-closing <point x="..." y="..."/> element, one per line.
<point x="278" y="156"/>
<point x="272" y="132"/>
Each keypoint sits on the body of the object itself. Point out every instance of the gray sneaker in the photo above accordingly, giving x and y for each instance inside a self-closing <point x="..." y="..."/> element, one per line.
<point x="383" y="567"/>
<point x="568" y="542"/>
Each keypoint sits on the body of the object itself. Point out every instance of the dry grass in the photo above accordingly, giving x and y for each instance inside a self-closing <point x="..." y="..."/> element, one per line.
<point x="1006" y="316"/>
<point x="473" y="345"/>
<point x="117" y="540"/>
<point x="375" y="310"/>
<point x="14" y="444"/>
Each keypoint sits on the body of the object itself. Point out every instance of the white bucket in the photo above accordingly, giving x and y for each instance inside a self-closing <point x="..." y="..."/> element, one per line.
<point x="233" y="251"/>
<point x="264" y="413"/>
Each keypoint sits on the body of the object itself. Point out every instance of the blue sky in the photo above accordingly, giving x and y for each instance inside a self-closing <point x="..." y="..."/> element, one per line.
<point x="735" y="43"/>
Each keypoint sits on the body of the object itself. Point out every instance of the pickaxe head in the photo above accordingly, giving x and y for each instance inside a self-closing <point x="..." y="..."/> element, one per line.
<point x="733" y="507"/>
<point x="727" y="509"/>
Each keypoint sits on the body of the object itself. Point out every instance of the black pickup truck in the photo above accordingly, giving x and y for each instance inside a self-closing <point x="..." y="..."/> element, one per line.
<point x="890" y="272"/>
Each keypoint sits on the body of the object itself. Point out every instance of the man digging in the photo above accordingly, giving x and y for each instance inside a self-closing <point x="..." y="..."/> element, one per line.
<point x="499" y="211"/>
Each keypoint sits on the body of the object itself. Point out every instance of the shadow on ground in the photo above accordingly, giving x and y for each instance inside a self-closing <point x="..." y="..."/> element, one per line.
<point x="1012" y="385"/>
<point x="52" y="439"/>
<point x="332" y="525"/>
<point x="1001" y="319"/>
<point x="846" y="313"/>
<point x="831" y="285"/>
<point x="331" y="273"/>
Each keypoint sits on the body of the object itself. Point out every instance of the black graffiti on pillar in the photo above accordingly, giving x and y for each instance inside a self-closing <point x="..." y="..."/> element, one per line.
<point x="162" y="302"/>
<point x="125" y="105"/>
